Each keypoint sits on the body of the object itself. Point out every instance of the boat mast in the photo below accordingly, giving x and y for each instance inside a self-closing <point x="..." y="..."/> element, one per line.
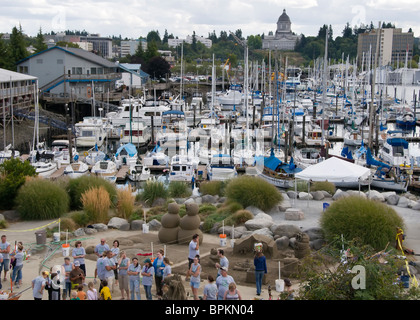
<point x="324" y="84"/>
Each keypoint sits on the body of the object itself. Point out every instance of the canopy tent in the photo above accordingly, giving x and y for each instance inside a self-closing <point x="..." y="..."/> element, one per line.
<point x="340" y="172"/>
<point x="128" y="148"/>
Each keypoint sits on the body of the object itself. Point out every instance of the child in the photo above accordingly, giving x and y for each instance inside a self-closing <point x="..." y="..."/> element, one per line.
<point x="74" y="295"/>
<point x="105" y="292"/>
<point x="80" y="293"/>
<point x="92" y="294"/>
<point x="210" y="289"/>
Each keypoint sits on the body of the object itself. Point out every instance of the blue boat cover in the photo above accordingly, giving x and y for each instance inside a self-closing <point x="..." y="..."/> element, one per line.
<point x="129" y="147"/>
<point x="371" y="161"/>
<point x="177" y="112"/>
<point x="398" y="142"/>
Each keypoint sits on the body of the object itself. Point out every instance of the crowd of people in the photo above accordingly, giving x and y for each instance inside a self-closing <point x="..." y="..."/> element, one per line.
<point x="115" y="270"/>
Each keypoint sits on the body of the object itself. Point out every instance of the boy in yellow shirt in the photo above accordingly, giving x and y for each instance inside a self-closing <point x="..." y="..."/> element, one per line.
<point x="105" y="292"/>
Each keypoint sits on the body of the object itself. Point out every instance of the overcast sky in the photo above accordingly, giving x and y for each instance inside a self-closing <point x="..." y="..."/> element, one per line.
<point x="134" y="18"/>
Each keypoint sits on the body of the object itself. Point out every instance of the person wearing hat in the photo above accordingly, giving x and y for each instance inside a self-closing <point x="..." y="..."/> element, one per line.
<point x="222" y="283"/>
<point x="77" y="276"/>
<point x="38" y="285"/>
<point x="147" y="272"/>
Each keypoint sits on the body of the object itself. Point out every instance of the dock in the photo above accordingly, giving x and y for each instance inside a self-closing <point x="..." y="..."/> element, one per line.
<point x="122" y="173"/>
<point x="58" y="173"/>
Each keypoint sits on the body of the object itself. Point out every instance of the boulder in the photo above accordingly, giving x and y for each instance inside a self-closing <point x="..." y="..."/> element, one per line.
<point x="198" y="200"/>
<point x="375" y="195"/>
<point x="410" y="196"/>
<point x="11" y="215"/>
<point x="416" y="206"/>
<point x="392" y="199"/>
<point x="125" y="227"/>
<point x="318" y="195"/>
<point x="90" y="249"/>
<point x="100" y="227"/>
<point x="287" y="230"/>
<point x="387" y="194"/>
<point x="246" y="245"/>
<point x="264" y="216"/>
<point x="411" y="203"/>
<point x="254" y="210"/>
<point x="215" y="228"/>
<point x="317" y="244"/>
<point x="314" y="233"/>
<point x="402" y="202"/>
<point x="239" y="231"/>
<point x="327" y="194"/>
<point x="294" y="214"/>
<point x="154" y="225"/>
<point x="116" y="223"/>
<point x="292" y="194"/>
<point x="90" y="231"/>
<point x="179" y="200"/>
<point x="189" y="200"/>
<point x="264" y="231"/>
<point x="208" y="199"/>
<point x="305" y="196"/>
<point x="136" y="225"/>
<point x="282" y="243"/>
<point x="340" y="194"/>
<point x="356" y="193"/>
<point x="2" y="217"/>
<point x="274" y="210"/>
<point x="221" y="200"/>
<point x="79" y="232"/>
<point x="255" y="224"/>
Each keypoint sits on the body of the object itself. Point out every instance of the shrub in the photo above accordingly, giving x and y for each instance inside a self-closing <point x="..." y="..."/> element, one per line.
<point x="80" y="218"/>
<point x="179" y="189"/>
<point x="153" y="190"/>
<point x="78" y="186"/>
<point x="212" y="188"/>
<point x="125" y="204"/>
<point x="13" y="175"/>
<point x="239" y="217"/>
<point x="67" y="224"/>
<point x="230" y="207"/>
<point x="253" y="191"/>
<point x="211" y="219"/>
<point x="40" y="199"/>
<point x="301" y="186"/>
<point x="137" y="214"/>
<point x="206" y="209"/>
<point x="96" y="204"/>
<point x="323" y="186"/>
<point x="3" y="224"/>
<point x="354" y="217"/>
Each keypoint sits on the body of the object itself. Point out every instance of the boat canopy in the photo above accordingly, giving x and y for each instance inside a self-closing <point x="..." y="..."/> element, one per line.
<point x="397" y="142"/>
<point x="129" y="148"/>
<point x="171" y="112"/>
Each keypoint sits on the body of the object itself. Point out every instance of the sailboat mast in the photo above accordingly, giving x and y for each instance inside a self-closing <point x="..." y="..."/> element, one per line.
<point x="324" y="84"/>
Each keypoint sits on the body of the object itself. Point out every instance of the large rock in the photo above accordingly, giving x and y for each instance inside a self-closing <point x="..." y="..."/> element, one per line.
<point x="327" y="194"/>
<point x="265" y="232"/>
<point x="136" y="225"/>
<point x="116" y="223"/>
<point x="292" y="195"/>
<point x="159" y="202"/>
<point x="410" y="196"/>
<point x="305" y="196"/>
<point x="287" y="230"/>
<point x="282" y="243"/>
<point x="255" y="224"/>
<point x="2" y="217"/>
<point x="340" y="194"/>
<point x="294" y="214"/>
<point x="317" y="244"/>
<point x="318" y="195"/>
<point x="375" y="195"/>
<point x="392" y="199"/>
<point x="356" y="193"/>
<point x="79" y="232"/>
<point x="403" y="202"/>
<point x="315" y="233"/>
<point x="154" y="225"/>
<point x="11" y="215"/>
<point x="90" y="231"/>
<point x="416" y="206"/>
<point x="254" y="210"/>
<point x="264" y="216"/>
<point x="100" y="227"/>
<point x="208" y="199"/>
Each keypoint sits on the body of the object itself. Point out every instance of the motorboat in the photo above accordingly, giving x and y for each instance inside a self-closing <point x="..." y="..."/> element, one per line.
<point x="61" y="150"/>
<point x="90" y="132"/>
<point x="221" y="167"/>
<point x="182" y="168"/>
<point x="137" y="133"/>
<point x="105" y="168"/>
<point x="8" y="153"/>
<point x="395" y="150"/>
<point x="306" y="157"/>
<point x="126" y="155"/>
<point x="44" y="163"/>
<point x="138" y="172"/>
<point x="76" y="169"/>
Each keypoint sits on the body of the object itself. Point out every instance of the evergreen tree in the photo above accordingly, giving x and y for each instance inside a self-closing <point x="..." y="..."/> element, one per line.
<point x="17" y="46"/>
<point x="153" y="36"/>
<point x="152" y="51"/>
<point x="194" y="42"/>
<point x="165" y="37"/>
<point x="5" y="61"/>
<point x="140" y="52"/>
<point x="347" y="32"/>
<point x="39" y="42"/>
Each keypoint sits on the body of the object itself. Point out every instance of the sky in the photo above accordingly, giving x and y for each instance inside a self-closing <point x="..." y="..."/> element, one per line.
<point x="135" y="18"/>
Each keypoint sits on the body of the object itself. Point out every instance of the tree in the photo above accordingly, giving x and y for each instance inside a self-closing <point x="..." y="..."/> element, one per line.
<point x="254" y="42"/>
<point x="152" y="51"/>
<point x="153" y="36"/>
<point x="157" y="67"/>
<point x="165" y="37"/>
<point x="5" y="60"/>
<point x="17" y="46"/>
<point x="39" y="42"/>
<point x="347" y="32"/>
<point x="140" y="52"/>
<point x="194" y="42"/>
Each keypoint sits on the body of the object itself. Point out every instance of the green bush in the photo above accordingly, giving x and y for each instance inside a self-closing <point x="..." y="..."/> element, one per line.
<point x="253" y="191"/>
<point x="80" y="218"/>
<point x="78" y="186"/>
<point x="323" y="186"/>
<point x="179" y="189"/>
<point x="211" y="219"/>
<point x="206" y="209"/>
<point x="41" y="199"/>
<point x="153" y="190"/>
<point x="355" y="217"/>
<point x="213" y="188"/>
<point x="301" y="186"/>
<point x="137" y="214"/>
<point x="13" y="175"/>
<point x="229" y="207"/>
<point x="3" y="224"/>
<point x="67" y="224"/>
<point x="239" y="217"/>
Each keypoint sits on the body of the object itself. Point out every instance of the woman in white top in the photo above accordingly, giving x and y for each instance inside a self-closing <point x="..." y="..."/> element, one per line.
<point x="115" y="257"/>
<point x="92" y="294"/>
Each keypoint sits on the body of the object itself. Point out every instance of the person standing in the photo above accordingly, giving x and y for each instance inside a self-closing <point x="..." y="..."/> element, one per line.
<point x="195" y="272"/>
<point x="133" y="272"/>
<point x="109" y="270"/>
<point x="92" y="294"/>
<point x="210" y="289"/>
<point x="17" y="269"/>
<point x="193" y="250"/>
<point x="115" y="250"/>
<point x="100" y="270"/>
<point x="167" y="271"/>
<point x="79" y="254"/>
<point x="101" y="248"/>
<point x="105" y="293"/>
<point x="122" y="265"/>
<point x="77" y="276"/>
<point x="223" y="282"/>
<point x="80" y="293"/>
<point x="1" y="262"/>
<point x="232" y="293"/>
<point x="147" y="281"/>
<point x="38" y="285"/>
<point x="159" y="266"/>
<point x="260" y="269"/>
<point x="5" y="251"/>
<point x="68" y="267"/>
<point x="223" y="262"/>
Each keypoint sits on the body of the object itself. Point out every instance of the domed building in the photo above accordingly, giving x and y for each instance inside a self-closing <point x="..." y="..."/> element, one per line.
<point x="283" y="39"/>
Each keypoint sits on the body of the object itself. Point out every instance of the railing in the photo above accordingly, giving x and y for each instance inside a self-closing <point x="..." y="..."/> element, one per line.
<point x="17" y="91"/>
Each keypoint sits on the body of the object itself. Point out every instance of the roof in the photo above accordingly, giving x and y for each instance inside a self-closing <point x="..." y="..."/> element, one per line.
<point x="284" y="16"/>
<point x="83" y="54"/>
<point x="7" y="75"/>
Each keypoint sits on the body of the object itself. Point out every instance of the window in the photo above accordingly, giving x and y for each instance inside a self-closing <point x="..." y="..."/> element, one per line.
<point x="23" y="69"/>
<point x="76" y="70"/>
<point x="92" y="70"/>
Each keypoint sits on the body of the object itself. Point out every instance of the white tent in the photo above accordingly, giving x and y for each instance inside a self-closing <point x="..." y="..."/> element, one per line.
<point x="340" y="172"/>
